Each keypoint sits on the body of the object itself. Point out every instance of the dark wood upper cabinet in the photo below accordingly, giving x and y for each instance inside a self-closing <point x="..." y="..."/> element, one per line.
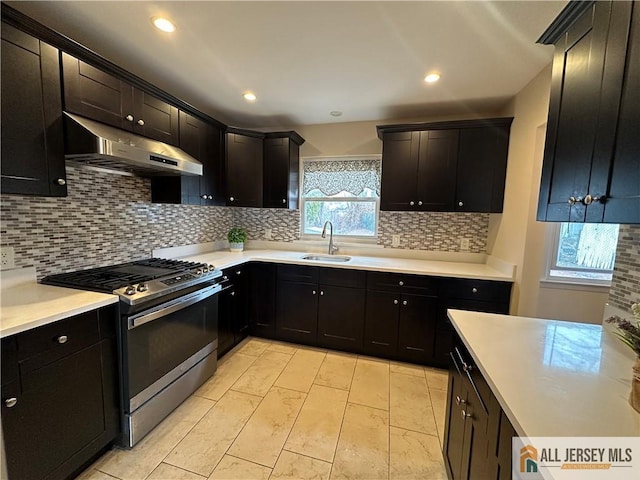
<point x="445" y="166"/>
<point x="244" y="168"/>
<point x="592" y="153"/>
<point x="203" y="141"/>
<point x="95" y="94"/>
<point x="281" y="169"/>
<point x="32" y="145"/>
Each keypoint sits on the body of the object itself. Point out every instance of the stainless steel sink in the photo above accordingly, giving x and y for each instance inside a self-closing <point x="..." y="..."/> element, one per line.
<point x="326" y="258"/>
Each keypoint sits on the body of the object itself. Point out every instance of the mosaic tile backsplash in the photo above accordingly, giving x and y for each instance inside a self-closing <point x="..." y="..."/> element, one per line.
<point x="108" y="218"/>
<point x="625" y="285"/>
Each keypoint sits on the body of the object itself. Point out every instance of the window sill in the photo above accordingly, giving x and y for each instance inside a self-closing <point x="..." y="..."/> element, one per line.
<point x="570" y="284"/>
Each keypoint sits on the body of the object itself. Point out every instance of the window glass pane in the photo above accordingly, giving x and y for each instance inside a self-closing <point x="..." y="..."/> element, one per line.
<point x="348" y="218"/>
<point x="587" y="246"/>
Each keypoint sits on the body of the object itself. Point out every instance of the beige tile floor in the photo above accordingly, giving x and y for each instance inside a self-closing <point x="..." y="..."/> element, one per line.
<point x="282" y="411"/>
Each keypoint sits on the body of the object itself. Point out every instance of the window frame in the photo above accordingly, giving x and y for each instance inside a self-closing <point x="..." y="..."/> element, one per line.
<point x="364" y="239"/>
<point x="551" y="264"/>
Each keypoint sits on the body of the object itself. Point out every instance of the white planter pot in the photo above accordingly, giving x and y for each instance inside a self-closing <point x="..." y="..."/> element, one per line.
<point x="236" y="247"/>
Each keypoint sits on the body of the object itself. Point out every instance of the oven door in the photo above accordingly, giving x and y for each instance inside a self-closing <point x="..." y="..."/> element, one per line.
<point x="164" y="342"/>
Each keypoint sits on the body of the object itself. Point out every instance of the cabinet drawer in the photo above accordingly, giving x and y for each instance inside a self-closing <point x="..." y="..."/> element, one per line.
<point x="341" y="277"/>
<point x="48" y="342"/>
<point x="393" y="282"/>
<point x="484" y="290"/>
<point x="298" y="273"/>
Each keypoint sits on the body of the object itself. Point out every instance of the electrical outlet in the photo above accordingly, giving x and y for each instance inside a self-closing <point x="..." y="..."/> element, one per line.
<point x="7" y="258"/>
<point x="464" y="244"/>
<point x="267" y="234"/>
<point x="395" y="240"/>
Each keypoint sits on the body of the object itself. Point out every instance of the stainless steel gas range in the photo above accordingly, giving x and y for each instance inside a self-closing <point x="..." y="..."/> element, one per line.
<point x="168" y="332"/>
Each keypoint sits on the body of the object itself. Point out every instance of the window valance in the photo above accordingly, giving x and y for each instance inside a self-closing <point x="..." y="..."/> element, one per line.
<point x="334" y="176"/>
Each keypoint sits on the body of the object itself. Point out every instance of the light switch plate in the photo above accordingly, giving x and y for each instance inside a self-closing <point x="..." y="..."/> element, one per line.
<point x="464" y="244"/>
<point x="7" y="259"/>
<point x="395" y="240"/>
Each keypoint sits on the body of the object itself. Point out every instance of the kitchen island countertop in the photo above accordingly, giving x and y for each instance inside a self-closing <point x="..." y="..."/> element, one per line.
<point x="553" y="378"/>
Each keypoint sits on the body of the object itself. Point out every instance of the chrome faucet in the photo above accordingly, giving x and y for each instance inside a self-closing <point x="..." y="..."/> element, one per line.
<point x="332" y="248"/>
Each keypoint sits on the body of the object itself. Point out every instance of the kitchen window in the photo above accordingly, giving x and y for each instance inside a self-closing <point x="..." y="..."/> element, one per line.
<point x="583" y="253"/>
<point x="344" y="191"/>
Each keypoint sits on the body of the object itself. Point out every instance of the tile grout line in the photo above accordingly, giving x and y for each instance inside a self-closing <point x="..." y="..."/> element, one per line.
<point x="335" y="449"/>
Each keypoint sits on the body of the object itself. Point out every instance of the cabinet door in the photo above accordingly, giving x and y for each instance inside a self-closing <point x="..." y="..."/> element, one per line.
<point x="154" y="118"/>
<point x="381" y="323"/>
<point x="94" y="94"/>
<point x="453" y="446"/>
<point x="32" y="137"/>
<point x="623" y="199"/>
<point x="240" y="279"/>
<point x="263" y="299"/>
<point x="437" y="170"/>
<point x="226" y="306"/>
<point x="575" y="106"/>
<point x="297" y="312"/>
<point x="281" y="172"/>
<point x="416" y="328"/>
<point x="400" y="153"/>
<point x="341" y="318"/>
<point x="482" y="168"/>
<point x="58" y="412"/>
<point x="244" y="170"/>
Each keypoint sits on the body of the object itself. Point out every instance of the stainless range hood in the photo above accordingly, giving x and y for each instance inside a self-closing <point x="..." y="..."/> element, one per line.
<point x="98" y="145"/>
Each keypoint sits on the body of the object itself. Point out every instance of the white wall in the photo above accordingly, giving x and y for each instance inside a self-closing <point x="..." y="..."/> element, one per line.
<point x="516" y="236"/>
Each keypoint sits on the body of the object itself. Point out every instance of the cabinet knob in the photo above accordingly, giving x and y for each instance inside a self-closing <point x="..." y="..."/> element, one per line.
<point x="10" y="402"/>
<point x="204" y="197"/>
<point x="224" y="277"/>
<point x="209" y="197"/>
<point x="129" y="118"/>
<point x="401" y="283"/>
<point x="284" y="200"/>
<point x="411" y="203"/>
<point x="62" y="339"/>
<point x="233" y="294"/>
<point x="461" y="204"/>
<point x="231" y="199"/>
<point x="238" y="272"/>
<point x="588" y="199"/>
<point x="460" y="400"/>
<point x="474" y="290"/>
<point x="419" y="202"/>
<point x="321" y="292"/>
<point x="313" y="292"/>
<point x="573" y="200"/>
<point x="141" y="122"/>
<point x="395" y="302"/>
<point x="465" y="414"/>
<point x="404" y="302"/>
<point x="61" y="181"/>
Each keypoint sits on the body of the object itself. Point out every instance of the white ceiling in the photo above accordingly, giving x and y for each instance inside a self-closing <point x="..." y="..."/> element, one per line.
<point x="304" y="59"/>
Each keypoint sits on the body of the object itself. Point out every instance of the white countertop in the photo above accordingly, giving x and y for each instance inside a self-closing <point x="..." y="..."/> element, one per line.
<point x="553" y="378"/>
<point x="25" y="304"/>
<point x="481" y="271"/>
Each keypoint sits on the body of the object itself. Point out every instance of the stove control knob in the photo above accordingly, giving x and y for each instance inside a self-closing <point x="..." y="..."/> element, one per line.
<point x="205" y="268"/>
<point x="211" y="267"/>
<point x="198" y="272"/>
<point x="143" y="287"/>
<point x="130" y="290"/>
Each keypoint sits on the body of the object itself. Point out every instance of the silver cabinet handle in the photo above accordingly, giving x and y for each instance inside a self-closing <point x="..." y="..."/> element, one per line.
<point x="401" y="283"/>
<point x="321" y="292"/>
<point x="203" y="197"/>
<point x="474" y="290"/>
<point x="61" y="181"/>
<point x="460" y="400"/>
<point x="62" y="339"/>
<point x="419" y="202"/>
<point x="411" y="203"/>
<point x="210" y="197"/>
<point x="233" y="294"/>
<point x="141" y="122"/>
<point x="10" y="402"/>
<point x="404" y="302"/>
<point x="284" y="200"/>
<point x="589" y="199"/>
<point x="231" y="199"/>
<point x="465" y="414"/>
<point x="395" y="302"/>
<point x="129" y="118"/>
<point x="573" y="200"/>
<point x="461" y="204"/>
<point x="224" y="277"/>
<point x="238" y="272"/>
<point x="313" y="292"/>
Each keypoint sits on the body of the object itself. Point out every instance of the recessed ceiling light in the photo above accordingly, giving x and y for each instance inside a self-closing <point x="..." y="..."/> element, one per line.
<point x="432" y="78"/>
<point x="335" y="113"/>
<point x="249" y="96"/>
<point x="163" y="24"/>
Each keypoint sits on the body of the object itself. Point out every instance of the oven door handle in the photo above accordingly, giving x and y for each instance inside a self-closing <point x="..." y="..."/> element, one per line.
<point x="173" y="306"/>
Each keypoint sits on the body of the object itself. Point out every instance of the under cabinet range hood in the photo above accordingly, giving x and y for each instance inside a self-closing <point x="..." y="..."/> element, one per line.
<point x="98" y="145"/>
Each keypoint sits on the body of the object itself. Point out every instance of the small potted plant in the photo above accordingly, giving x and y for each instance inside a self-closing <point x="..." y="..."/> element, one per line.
<point x="237" y="236"/>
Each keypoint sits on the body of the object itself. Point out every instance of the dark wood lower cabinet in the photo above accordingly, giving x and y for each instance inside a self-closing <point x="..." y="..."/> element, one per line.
<point x="262" y="318"/>
<point x="477" y="443"/>
<point x="65" y="408"/>
<point x="233" y="308"/>
<point x="381" y="324"/>
<point x="341" y="318"/>
<point x="297" y="312"/>
<point x="416" y="327"/>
